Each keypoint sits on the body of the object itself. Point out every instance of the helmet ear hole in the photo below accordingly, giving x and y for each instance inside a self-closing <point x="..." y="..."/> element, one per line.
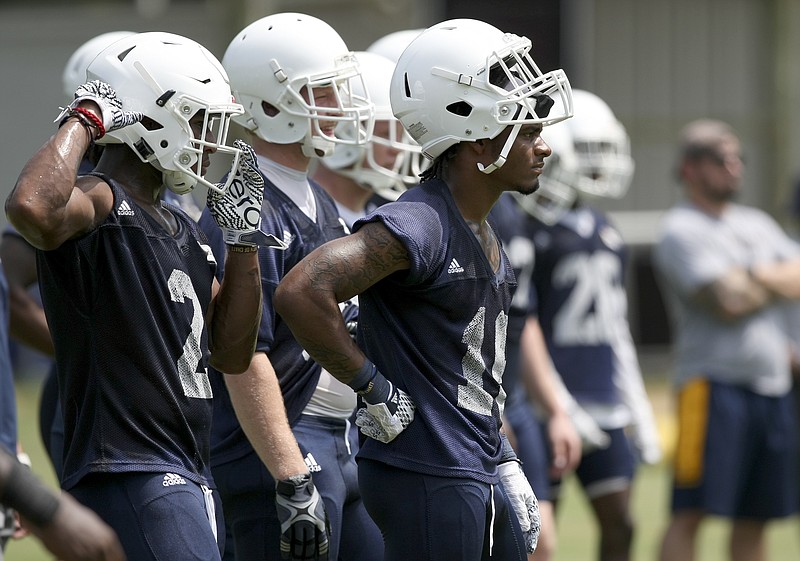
<point x="151" y="124"/>
<point x="269" y="109"/>
<point x="461" y="108"/>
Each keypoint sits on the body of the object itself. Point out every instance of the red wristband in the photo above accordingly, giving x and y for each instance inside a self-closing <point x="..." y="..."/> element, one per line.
<point x="101" y="130"/>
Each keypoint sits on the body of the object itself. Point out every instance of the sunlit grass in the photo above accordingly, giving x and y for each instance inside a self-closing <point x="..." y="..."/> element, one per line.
<point x="577" y="532"/>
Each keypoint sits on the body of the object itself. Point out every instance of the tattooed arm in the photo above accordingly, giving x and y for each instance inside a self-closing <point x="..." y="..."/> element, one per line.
<point x="309" y="294"/>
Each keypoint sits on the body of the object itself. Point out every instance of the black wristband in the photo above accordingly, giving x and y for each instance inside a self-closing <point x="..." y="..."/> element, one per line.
<point x="26" y="494"/>
<point x="360" y="383"/>
<point x="507" y="453"/>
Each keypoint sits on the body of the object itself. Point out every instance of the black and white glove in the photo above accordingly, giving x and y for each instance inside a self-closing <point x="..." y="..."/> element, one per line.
<point x="387" y="410"/>
<point x="304" y="522"/>
<point x="113" y="116"/>
<point x="520" y="494"/>
<point x="237" y="208"/>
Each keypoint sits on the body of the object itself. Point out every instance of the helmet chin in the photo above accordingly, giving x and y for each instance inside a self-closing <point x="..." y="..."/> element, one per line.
<point x="316" y="147"/>
<point x="179" y="182"/>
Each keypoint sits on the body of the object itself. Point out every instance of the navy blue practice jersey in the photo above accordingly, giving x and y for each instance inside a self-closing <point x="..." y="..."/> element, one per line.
<point x="297" y="372"/>
<point x="438" y="331"/>
<point x="579" y="276"/>
<point x="126" y="304"/>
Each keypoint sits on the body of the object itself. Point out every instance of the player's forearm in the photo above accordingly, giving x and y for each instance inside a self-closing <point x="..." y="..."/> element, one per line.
<point x="258" y="402"/>
<point x="314" y="317"/>
<point x="734" y="296"/>
<point x="236" y="314"/>
<point x="37" y="206"/>
<point x="537" y="371"/>
<point x="27" y="322"/>
<point x="782" y="279"/>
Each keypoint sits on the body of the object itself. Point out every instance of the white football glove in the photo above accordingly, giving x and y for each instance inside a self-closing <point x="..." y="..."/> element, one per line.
<point x="237" y="209"/>
<point x="523" y="501"/>
<point x="304" y="521"/>
<point x="113" y="115"/>
<point x="387" y="410"/>
<point x="646" y="444"/>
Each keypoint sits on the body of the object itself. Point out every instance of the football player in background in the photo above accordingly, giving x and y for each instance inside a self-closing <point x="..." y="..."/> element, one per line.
<point x="295" y="77"/>
<point x="434" y="285"/>
<point x="578" y="295"/>
<point x="361" y="177"/>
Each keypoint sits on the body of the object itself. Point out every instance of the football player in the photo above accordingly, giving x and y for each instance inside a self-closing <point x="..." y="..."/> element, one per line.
<point x="135" y="312"/>
<point x="360" y="177"/>
<point x="434" y="286"/>
<point x="296" y="78"/>
<point x="580" y="301"/>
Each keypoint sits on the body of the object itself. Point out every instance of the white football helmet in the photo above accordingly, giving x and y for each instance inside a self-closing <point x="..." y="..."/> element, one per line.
<point x="602" y="146"/>
<point x="74" y="74"/>
<point x="169" y="79"/>
<point x="277" y="63"/>
<point x="395" y="163"/>
<point x="465" y="80"/>
<point x="557" y="192"/>
<point x="392" y="45"/>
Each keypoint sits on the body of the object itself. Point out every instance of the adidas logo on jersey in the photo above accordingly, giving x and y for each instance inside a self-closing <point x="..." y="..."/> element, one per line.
<point x="455" y="267"/>
<point x="124" y="209"/>
<point x="311" y="463"/>
<point x="171" y="479"/>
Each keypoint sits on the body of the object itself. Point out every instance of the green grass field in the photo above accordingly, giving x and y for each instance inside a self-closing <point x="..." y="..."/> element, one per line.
<point x="576" y="530"/>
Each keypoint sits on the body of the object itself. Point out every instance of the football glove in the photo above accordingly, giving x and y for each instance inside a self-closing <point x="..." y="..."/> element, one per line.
<point x="113" y="116"/>
<point x="387" y="410"/>
<point x="646" y="443"/>
<point x="304" y="521"/>
<point x="237" y="209"/>
<point x="520" y="495"/>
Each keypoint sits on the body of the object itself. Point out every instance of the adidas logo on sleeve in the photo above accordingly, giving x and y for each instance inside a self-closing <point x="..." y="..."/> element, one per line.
<point x="455" y="267"/>
<point x="124" y="209"/>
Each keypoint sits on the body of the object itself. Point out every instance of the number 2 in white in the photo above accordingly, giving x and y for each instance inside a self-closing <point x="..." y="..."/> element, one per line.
<point x="472" y="396"/>
<point x="195" y="384"/>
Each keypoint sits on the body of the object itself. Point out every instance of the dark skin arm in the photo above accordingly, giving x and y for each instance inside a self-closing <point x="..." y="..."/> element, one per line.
<point x="309" y="294"/>
<point x="75" y="533"/>
<point x="235" y="313"/>
<point x="27" y="324"/>
<point x="49" y="203"/>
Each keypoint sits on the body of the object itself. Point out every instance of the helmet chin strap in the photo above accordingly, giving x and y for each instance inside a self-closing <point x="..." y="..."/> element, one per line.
<point x="501" y="159"/>
<point x="316" y="147"/>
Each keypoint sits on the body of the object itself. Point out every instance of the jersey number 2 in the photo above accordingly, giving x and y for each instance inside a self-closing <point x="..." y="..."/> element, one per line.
<point x="195" y="384"/>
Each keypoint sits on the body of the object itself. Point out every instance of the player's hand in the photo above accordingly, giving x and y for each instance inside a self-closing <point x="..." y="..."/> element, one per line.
<point x="592" y="436"/>
<point x="565" y="445"/>
<point x="646" y="444"/>
<point x="112" y="114"/>
<point x="304" y="522"/>
<point x="237" y="208"/>
<point x="76" y="533"/>
<point x="523" y="501"/>
<point x="387" y="410"/>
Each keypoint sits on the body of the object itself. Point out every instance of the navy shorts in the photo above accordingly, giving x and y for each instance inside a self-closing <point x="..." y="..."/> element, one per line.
<point x="531" y="446"/>
<point x="157" y="516"/>
<point x="248" y="495"/>
<point x="737" y="452"/>
<point x="428" y="518"/>
<point x="606" y="471"/>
